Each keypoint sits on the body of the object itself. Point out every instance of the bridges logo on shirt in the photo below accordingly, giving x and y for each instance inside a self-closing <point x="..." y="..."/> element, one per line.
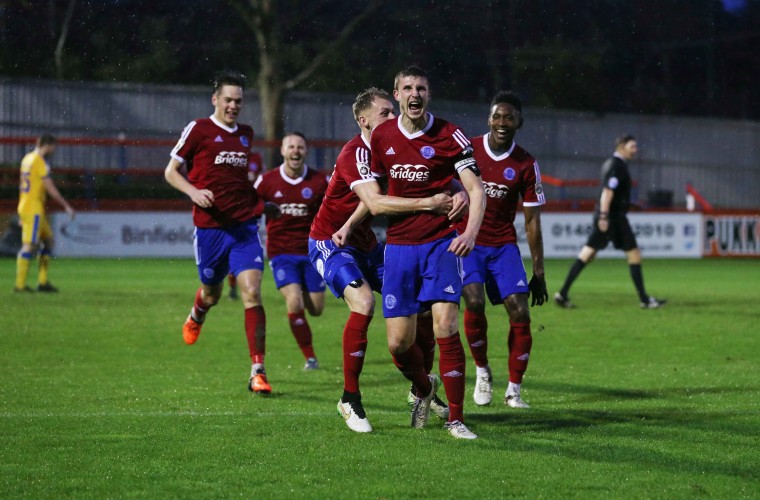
<point x="494" y="190"/>
<point x="414" y="173"/>
<point x="294" y="209"/>
<point x="232" y="158"/>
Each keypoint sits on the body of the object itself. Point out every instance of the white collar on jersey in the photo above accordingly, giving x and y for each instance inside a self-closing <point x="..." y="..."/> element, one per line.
<point x="295" y="181"/>
<point x="364" y="139"/>
<point x="222" y="125"/>
<point x="493" y="155"/>
<point x="419" y="132"/>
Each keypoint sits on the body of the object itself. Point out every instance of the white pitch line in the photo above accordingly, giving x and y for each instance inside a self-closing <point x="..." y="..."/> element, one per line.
<point x="161" y="414"/>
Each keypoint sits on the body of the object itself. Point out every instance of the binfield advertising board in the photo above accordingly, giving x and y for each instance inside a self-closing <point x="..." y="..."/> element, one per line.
<point x="124" y="234"/>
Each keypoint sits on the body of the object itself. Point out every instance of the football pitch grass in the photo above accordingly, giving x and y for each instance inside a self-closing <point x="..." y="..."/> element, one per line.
<point x="101" y="398"/>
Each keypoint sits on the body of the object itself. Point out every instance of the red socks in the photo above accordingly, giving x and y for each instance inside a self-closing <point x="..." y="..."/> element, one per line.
<point x="451" y="364"/>
<point x="476" y="329"/>
<point x="256" y="333"/>
<point x="302" y="333"/>
<point x="199" y="308"/>
<point x="410" y="364"/>
<point x="519" y="342"/>
<point x="354" y="349"/>
<point x="426" y="340"/>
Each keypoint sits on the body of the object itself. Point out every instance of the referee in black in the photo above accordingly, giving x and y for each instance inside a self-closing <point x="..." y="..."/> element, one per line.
<point x="611" y="224"/>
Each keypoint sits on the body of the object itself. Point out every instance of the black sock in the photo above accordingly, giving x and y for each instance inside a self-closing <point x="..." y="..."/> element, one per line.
<point x="351" y="397"/>
<point x="575" y="270"/>
<point x="638" y="281"/>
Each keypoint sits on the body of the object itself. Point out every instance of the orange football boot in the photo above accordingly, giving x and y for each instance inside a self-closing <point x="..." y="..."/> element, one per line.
<point x="258" y="384"/>
<point x="190" y="330"/>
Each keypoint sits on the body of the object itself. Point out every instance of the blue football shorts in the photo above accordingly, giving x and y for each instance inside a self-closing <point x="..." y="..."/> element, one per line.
<point x="418" y="275"/>
<point x="289" y="269"/>
<point x="500" y="268"/>
<point x="339" y="266"/>
<point x="231" y="249"/>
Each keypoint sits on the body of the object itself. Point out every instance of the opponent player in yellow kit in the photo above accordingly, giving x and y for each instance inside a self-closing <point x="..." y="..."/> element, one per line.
<point x="34" y="186"/>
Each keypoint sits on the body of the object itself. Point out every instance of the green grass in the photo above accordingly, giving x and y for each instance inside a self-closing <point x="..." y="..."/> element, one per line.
<point x="99" y="397"/>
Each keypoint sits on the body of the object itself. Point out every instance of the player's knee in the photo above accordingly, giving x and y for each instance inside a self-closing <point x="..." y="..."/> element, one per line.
<point x="519" y="315"/>
<point x="316" y="310"/>
<point x="210" y="299"/>
<point x="250" y="294"/>
<point x="362" y="303"/>
<point x="475" y="304"/>
<point x="398" y="345"/>
<point x="445" y="326"/>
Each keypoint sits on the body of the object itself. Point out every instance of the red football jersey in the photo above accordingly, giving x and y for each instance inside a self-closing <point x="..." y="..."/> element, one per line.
<point x="419" y="165"/>
<point x="351" y="168"/>
<point x="299" y="200"/>
<point x="216" y="157"/>
<point x="506" y="178"/>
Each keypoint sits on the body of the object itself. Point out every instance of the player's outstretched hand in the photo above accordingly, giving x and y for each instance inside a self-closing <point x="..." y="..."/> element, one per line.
<point x="537" y="290"/>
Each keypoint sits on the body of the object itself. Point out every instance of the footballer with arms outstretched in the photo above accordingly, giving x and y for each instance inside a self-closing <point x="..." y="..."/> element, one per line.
<point x="226" y="212"/>
<point x="297" y="191"/>
<point x="509" y="173"/>
<point x="344" y="249"/>
<point x="420" y="155"/>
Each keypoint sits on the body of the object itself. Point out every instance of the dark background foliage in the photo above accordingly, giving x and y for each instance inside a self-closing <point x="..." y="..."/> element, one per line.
<point x="682" y="57"/>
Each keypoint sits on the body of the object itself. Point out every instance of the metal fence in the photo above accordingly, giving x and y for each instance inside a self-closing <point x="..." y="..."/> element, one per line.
<point x="718" y="157"/>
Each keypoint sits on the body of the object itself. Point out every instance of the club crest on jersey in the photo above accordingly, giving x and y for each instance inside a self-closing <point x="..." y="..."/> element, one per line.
<point x="415" y="173"/>
<point x="509" y="173"/>
<point x="427" y="152"/>
<point x="307" y="193"/>
<point x="244" y="141"/>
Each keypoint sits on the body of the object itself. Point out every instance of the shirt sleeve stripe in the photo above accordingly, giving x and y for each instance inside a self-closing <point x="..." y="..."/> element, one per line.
<point x="181" y="142"/>
<point x="461" y="139"/>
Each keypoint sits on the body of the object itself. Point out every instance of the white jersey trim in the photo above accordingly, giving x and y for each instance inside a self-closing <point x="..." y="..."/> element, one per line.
<point x="493" y="155"/>
<point x="295" y="181"/>
<point x="222" y="125"/>
<point x="419" y="133"/>
<point x="361" y="181"/>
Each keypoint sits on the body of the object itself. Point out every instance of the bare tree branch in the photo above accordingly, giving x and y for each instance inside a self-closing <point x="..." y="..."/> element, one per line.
<point x="62" y="39"/>
<point x="332" y="46"/>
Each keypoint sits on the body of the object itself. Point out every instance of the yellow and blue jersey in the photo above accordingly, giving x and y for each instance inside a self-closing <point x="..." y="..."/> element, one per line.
<point x="32" y="193"/>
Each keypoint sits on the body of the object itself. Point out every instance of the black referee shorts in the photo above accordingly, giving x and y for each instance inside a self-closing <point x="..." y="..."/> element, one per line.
<point x="619" y="233"/>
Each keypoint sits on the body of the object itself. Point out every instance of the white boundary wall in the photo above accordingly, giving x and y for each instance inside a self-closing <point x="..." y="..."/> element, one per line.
<point x="170" y="234"/>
